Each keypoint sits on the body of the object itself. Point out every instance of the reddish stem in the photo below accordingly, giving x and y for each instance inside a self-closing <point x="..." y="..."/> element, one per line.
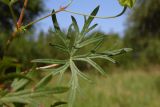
<point x="19" y="23"/>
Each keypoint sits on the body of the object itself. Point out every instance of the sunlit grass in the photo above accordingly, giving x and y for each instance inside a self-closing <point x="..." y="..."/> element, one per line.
<point x="123" y="89"/>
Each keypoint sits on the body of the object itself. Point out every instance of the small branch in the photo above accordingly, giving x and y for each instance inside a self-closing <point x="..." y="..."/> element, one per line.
<point x="59" y="10"/>
<point x="19" y="23"/>
<point x="33" y="22"/>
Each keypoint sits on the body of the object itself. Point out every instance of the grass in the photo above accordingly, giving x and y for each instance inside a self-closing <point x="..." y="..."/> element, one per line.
<point x="122" y="89"/>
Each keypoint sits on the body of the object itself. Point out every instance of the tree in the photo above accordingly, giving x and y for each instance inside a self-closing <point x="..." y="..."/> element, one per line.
<point x="143" y="30"/>
<point x="33" y="9"/>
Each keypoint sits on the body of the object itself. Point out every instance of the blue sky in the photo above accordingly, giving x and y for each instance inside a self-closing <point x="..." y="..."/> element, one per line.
<point x="107" y="8"/>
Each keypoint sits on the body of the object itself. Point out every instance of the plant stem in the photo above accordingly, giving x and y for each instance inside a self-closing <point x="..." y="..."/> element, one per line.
<point x="33" y="22"/>
<point x="59" y="10"/>
<point x="22" y="14"/>
<point x="100" y="17"/>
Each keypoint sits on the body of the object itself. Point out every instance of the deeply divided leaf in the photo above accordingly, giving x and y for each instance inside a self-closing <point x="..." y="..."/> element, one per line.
<point x="94" y="64"/>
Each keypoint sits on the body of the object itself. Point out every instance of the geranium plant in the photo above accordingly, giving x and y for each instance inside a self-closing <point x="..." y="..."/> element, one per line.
<point x="13" y="90"/>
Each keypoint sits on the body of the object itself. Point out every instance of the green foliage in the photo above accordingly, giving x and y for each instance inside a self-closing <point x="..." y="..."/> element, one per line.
<point x="12" y="86"/>
<point x="133" y="88"/>
<point x="128" y="3"/>
<point x="71" y="46"/>
<point x="27" y="96"/>
<point x="143" y="32"/>
<point x="18" y="84"/>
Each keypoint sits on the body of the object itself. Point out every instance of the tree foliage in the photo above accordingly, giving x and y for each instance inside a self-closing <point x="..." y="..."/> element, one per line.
<point x="143" y="30"/>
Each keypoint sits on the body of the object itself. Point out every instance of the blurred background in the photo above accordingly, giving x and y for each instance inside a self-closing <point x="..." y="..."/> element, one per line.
<point x="134" y="81"/>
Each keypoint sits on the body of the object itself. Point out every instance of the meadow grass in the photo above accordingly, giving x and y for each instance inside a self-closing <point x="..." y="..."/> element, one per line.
<point x="122" y="89"/>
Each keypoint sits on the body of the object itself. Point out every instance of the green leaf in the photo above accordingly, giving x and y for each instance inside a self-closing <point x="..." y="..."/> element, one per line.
<point x="44" y="81"/>
<point x="60" y="47"/>
<point x="18" y="84"/>
<point x="49" y="61"/>
<point x="29" y="96"/>
<point x="85" y="18"/>
<point x="81" y="74"/>
<point x="90" y="41"/>
<point x="89" y="20"/>
<point x="94" y="64"/>
<point x="75" y="24"/>
<point x="74" y="85"/>
<point x="127" y="3"/>
<point x="58" y="103"/>
<point x="61" y="37"/>
<point x="69" y="31"/>
<point x="91" y="28"/>
<point x="55" y="22"/>
<point x="117" y="52"/>
<point x="59" y="33"/>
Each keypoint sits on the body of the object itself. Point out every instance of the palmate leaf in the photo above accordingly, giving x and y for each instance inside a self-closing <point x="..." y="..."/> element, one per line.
<point x="45" y="80"/>
<point x="81" y="74"/>
<point x="127" y="3"/>
<point x="49" y="61"/>
<point x="28" y="96"/>
<point x="91" y="62"/>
